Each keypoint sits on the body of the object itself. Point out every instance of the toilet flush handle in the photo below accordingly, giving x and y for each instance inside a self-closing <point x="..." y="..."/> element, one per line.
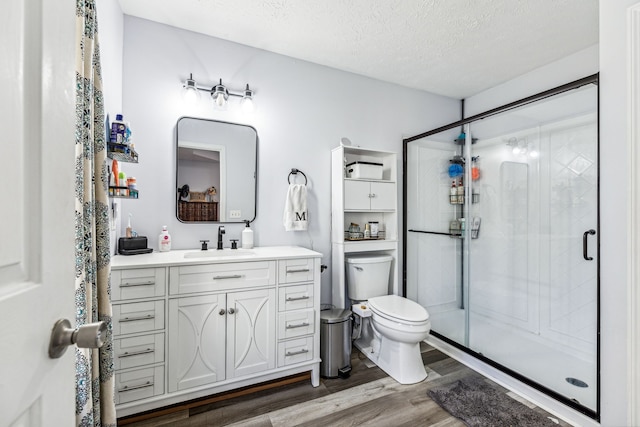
<point x="358" y="268"/>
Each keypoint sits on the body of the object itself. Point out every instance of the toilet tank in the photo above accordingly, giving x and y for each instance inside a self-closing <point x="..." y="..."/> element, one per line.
<point x="367" y="276"/>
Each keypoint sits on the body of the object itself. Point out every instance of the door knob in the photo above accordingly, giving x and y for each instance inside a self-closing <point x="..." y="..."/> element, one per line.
<point x="86" y="336"/>
<point x="231" y="311"/>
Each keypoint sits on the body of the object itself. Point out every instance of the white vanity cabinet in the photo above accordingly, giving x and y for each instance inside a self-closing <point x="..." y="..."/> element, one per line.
<point x="225" y="334"/>
<point x="298" y="314"/>
<point x="138" y="332"/>
<point x="215" y="323"/>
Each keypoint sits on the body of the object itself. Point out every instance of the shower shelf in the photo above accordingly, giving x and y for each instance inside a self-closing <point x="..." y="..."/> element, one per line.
<point x="121" y="153"/>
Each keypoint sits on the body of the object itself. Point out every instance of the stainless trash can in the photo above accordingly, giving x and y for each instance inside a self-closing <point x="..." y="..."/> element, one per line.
<point x="335" y="343"/>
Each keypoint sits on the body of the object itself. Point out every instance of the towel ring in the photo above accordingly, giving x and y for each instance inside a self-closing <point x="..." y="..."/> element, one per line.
<point x="295" y="171"/>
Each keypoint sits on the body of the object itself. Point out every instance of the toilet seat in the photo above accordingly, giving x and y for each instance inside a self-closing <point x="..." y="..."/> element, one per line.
<point x="399" y="309"/>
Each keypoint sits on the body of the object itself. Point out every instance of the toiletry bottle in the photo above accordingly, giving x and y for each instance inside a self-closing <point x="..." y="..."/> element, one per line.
<point x="128" y="139"/>
<point x="122" y="182"/>
<point x="453" y="193"/>
<point x="118" y="127"/>
<point x="164" y="240"/>
<point x="247" y="237"/>
<point x="460" y="192"/>
<point x="114" y="171"/>
<point x="128" y="234"/>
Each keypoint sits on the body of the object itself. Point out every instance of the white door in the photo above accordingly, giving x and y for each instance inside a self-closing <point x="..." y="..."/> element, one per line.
<point x="37" y="210"/>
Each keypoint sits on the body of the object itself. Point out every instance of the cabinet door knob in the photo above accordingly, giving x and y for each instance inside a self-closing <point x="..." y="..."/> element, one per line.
<point x="231" y="311"/>
<point x="222" y="312"/>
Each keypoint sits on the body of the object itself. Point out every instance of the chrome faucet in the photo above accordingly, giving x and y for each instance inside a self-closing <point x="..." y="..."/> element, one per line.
<point x="220" y="233"/>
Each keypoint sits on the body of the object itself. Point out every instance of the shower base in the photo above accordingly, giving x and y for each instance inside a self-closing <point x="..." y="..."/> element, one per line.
<point x="530" y="355"/>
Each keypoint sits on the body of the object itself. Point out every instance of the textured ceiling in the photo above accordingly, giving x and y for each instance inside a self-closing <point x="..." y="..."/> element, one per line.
<point x="455" y="48"/>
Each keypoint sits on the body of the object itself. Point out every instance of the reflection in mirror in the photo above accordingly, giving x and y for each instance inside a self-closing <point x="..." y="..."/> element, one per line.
<point x="216" y="166"/>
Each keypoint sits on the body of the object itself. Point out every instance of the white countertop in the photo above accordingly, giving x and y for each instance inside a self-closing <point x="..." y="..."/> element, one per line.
<point x="196" y="256"/>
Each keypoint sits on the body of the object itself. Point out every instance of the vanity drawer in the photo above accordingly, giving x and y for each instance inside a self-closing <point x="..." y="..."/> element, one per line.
<point x="295" y="351"/>
<point x="138" y="283"/>
<point x="216" y="277"/>
<point x="138" y="317"/>
<point x="293" y="324"/>
<point x="295" y="270"/>
<point x="138" y="351"/>
<point x="139" y="384"/>
<point x="295" y="297"/>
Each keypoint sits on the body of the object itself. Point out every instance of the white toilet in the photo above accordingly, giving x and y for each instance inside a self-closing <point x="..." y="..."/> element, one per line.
<point x="389" y="328"/>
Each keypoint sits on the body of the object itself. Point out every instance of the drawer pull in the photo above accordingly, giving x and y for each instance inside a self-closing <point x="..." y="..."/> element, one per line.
<point x="131" y="285"/>
<point x="299" y="325"/>
<point x="136" y="387"/>
<point x="134" y="319"/>
<point x="234" y="276"/>
<point x="302" y="270"/>
<point x="298" y="298"/>
<point x="136" y="353"/>
<point x="295" y="353"/>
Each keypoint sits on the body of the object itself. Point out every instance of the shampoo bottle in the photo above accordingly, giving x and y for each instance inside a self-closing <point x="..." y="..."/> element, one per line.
<point x="164" y="240"/>
<point x="247" y="237"/>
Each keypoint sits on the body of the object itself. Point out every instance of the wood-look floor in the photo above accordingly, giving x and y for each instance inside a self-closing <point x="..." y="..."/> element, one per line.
<point x="369" y="397"/>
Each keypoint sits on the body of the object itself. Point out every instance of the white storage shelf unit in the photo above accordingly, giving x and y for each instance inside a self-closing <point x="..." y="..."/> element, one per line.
<point x="360" y="201"/>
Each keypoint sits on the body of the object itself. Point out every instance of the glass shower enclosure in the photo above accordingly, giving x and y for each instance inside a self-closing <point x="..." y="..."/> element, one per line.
<point x="501" y="238"/>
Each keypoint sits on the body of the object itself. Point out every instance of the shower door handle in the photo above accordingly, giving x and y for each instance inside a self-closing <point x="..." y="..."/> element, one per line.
<point x="585" y="246"/>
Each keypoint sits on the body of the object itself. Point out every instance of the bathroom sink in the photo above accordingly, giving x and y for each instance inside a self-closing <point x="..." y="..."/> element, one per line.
<point x="214" y="253"/>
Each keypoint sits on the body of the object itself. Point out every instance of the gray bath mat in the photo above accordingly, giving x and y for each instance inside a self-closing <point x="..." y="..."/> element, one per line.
<point x="477" y="403"/>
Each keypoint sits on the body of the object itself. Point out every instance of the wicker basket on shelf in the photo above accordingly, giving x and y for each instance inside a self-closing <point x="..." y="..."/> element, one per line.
<point x="198" y="211"/>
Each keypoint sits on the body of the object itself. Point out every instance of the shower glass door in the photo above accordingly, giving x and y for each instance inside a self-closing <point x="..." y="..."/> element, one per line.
<point x="508" y="268"/>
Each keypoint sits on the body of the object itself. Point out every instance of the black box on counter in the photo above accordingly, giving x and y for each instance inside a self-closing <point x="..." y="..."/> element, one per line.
<point x="133" y="245"/>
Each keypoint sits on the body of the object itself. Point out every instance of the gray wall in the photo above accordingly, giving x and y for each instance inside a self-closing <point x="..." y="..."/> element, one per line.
<point x="303" y="111"/>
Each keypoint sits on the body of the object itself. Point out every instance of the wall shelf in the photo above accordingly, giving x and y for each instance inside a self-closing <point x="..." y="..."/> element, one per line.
<point x="121" y="153"/>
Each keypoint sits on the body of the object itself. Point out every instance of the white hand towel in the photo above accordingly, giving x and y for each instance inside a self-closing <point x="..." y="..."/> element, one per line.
<point x="295" y="208"/>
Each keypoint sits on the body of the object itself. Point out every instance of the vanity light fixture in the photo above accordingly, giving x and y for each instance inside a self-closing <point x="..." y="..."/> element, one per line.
<point x="219" y="93"/>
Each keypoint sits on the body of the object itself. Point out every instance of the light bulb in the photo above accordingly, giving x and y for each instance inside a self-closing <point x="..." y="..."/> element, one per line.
<point x="219" y="100"/>
<point x="248" y="105"/>
<point x="516" y="150"/>
<point x="190" y="93"/>
<point x="534" y="154"/>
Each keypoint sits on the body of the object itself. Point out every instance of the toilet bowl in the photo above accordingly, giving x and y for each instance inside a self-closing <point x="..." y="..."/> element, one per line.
<point x="390" y="327"/>
<point x="402" y="325"/>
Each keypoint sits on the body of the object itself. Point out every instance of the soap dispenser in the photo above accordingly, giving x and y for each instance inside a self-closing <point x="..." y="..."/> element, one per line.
<point x="247" y="237"/>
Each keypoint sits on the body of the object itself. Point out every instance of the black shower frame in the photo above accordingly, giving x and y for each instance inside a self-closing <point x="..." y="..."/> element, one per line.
<point x="592" y="79"/>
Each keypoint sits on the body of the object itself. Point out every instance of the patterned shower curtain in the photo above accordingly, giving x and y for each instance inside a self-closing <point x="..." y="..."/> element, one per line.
<point x="94" y="367"/>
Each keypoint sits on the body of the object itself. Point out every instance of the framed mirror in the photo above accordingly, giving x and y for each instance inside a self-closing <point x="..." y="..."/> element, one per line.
<point x="216" y="170"/>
